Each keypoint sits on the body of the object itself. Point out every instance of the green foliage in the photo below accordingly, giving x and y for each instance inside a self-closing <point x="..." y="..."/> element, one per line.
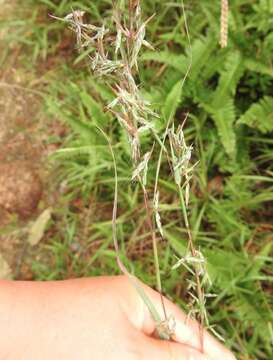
<point x="172" y="101"/>
<point x="259" y="115"/>
<point x="228" y="95"/>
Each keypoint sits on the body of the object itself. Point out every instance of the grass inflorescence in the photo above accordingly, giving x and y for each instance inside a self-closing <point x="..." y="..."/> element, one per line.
<point x="114" y="60"/>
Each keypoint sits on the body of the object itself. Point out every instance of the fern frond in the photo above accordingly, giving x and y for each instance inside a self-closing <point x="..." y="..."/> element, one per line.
<point x="224" y="118"/>
<point x="229" y="77"/>
<point x="258" y="66"/>
<point x="201" y="53"/>
<point x="178" y="62"/>
<point x="222" y="108"/>
<point x="173" y="100"/>
<point x="259" y="116"/>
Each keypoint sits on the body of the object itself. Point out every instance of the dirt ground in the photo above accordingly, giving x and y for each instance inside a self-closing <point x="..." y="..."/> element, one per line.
<point x="28" y="184"/>
<point x="23" y="161"/>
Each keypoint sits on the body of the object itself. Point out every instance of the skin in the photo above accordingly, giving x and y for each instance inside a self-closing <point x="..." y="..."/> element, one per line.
<point x="93" y="318"/>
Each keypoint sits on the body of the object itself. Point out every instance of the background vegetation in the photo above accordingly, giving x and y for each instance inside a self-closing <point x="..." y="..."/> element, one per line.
<point x="228" y="95"/>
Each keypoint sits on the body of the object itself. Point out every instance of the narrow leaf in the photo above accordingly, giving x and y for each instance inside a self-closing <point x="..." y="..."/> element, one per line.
<point x="94" y="109"/>
<point x="173" y="100"/>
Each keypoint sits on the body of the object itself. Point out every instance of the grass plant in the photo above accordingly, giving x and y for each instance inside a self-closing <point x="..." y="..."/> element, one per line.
<point x="227" y="100"/>
<point x="114" y="59"/>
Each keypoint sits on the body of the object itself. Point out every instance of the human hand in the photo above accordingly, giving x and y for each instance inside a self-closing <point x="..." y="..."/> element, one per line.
<point x="95" y="318"/>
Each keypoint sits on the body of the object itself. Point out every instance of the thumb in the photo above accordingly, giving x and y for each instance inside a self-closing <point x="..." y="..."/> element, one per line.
<point x="187" y="331"/>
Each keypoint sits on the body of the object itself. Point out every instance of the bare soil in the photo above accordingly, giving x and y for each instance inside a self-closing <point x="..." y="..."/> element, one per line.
<point x="27" y="185"/>
<point x="22" y="163"/>
<point x="23" y="157"/>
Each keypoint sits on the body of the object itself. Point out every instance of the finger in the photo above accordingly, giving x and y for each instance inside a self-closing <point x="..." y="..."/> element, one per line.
<point x="168" y="350"/>
<point x="187" y="331"/>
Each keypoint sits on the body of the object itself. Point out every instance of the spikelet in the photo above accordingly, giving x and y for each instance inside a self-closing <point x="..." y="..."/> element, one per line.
<point x="224" y="24"/>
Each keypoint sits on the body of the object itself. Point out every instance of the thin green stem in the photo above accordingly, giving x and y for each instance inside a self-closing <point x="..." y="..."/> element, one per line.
<point x="200" y="292"/>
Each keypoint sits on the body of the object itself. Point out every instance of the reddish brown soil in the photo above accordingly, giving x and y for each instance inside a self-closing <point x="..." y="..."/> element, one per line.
<point x="23" y="157"/>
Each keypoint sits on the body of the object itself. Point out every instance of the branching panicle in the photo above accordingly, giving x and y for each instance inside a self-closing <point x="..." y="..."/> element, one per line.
<point x="115" y="59"/>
